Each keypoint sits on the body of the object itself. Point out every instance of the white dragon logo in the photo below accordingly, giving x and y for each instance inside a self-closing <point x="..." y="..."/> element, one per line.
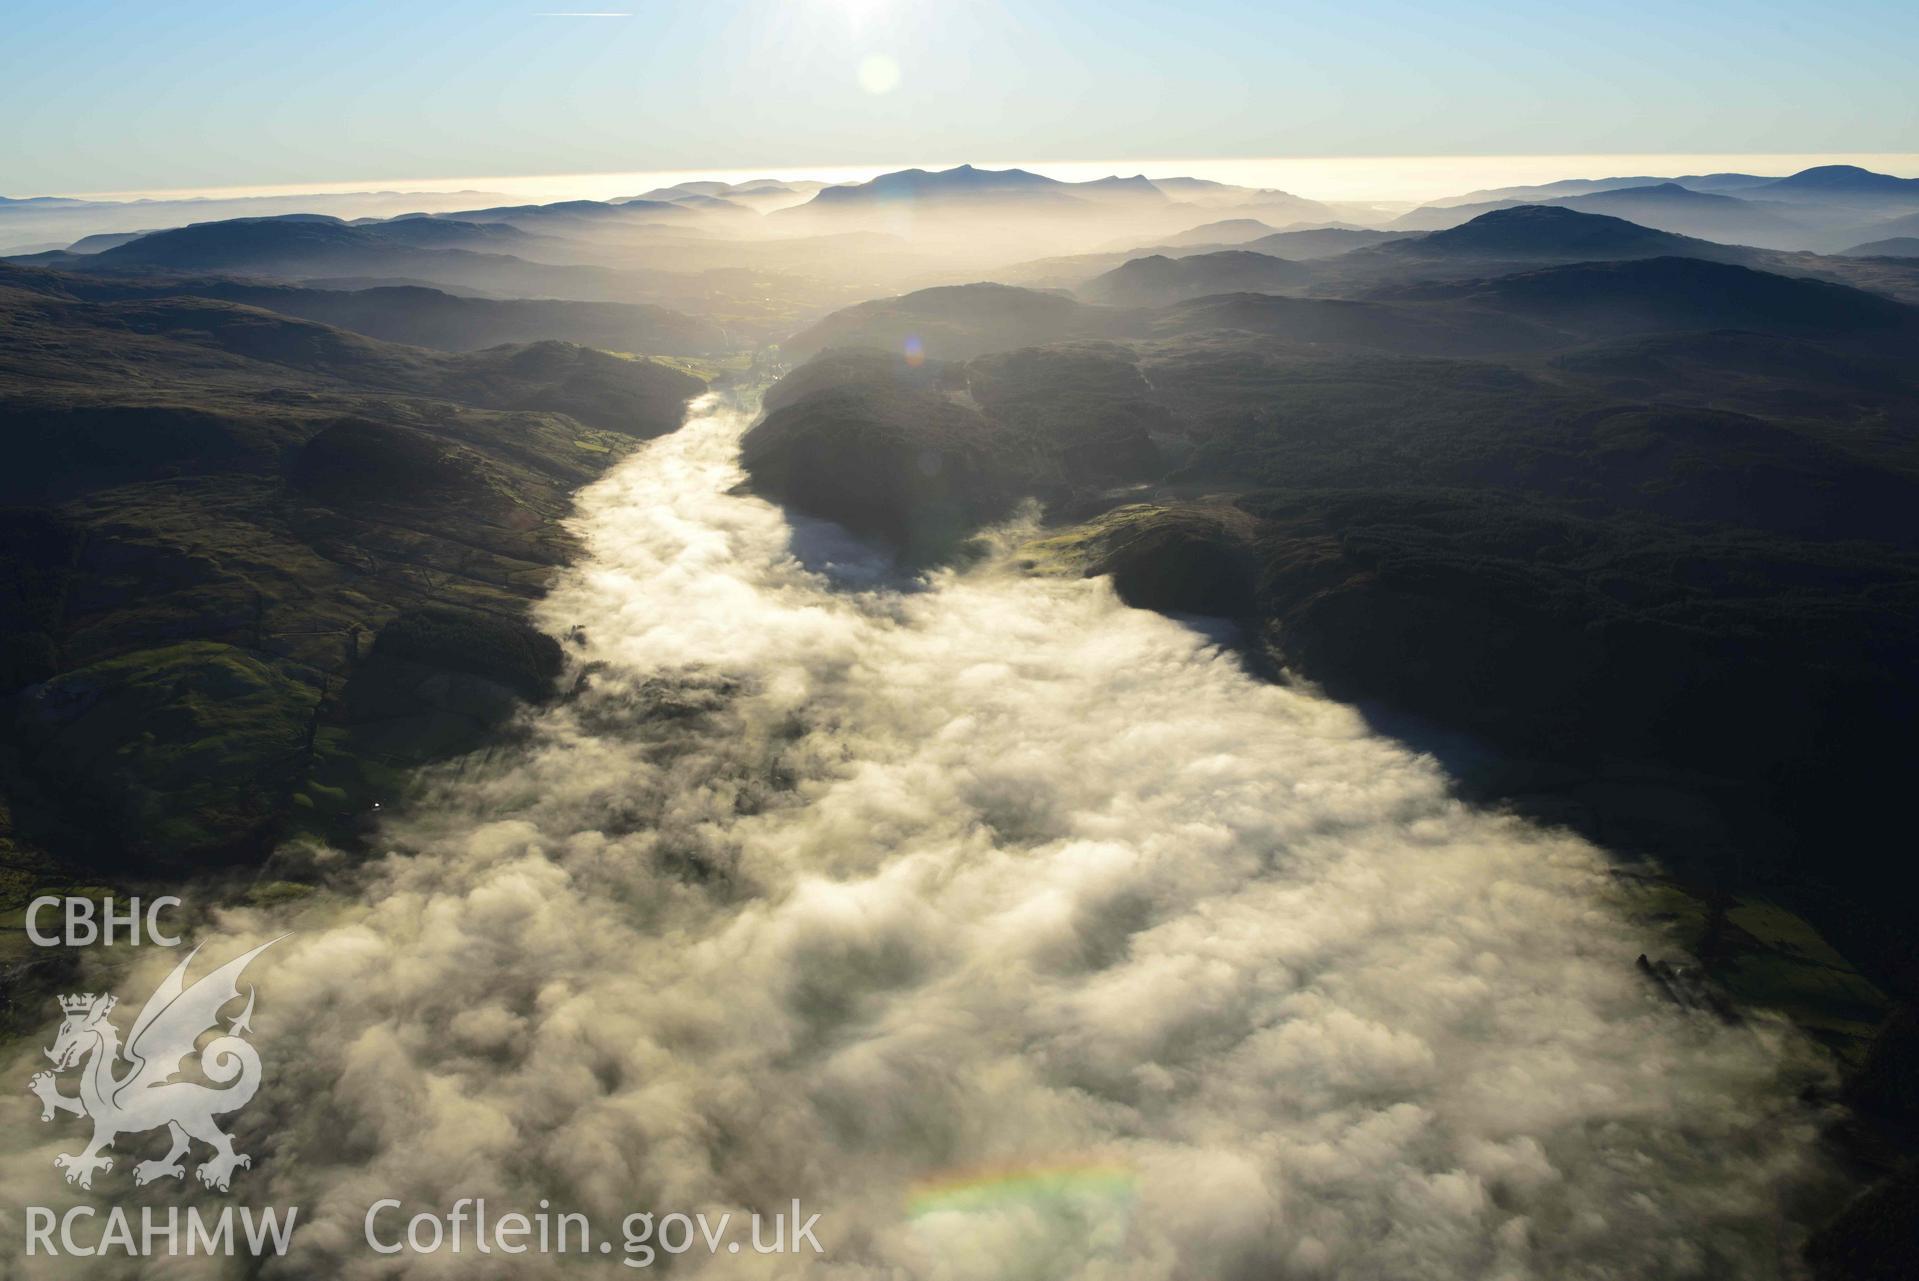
<point x="146" y="1097"/>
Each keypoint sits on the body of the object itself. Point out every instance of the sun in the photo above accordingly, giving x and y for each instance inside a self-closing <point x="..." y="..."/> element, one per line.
<point x="858" y="13"/>
<point x="879" y="74"/>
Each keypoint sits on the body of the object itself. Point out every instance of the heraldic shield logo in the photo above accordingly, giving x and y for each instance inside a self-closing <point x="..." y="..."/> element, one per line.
<point x="127" y="1087"/>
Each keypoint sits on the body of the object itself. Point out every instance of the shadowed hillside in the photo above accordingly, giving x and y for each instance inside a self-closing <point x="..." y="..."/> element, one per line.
<point x="216" y="512"/>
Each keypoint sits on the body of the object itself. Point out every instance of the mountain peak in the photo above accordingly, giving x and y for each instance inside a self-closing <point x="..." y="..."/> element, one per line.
<point x="1526" y="231"/>
<point x="1844" y="180"/>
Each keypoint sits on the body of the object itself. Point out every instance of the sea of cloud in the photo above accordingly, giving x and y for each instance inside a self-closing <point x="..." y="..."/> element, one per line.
<point x="834" y="892"/>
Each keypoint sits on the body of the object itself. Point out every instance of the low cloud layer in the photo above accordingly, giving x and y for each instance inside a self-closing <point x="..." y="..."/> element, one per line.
<point x="832" y="894"/>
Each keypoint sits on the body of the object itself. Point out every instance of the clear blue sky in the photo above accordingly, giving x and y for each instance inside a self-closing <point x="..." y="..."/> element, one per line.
<point x="122" y="94"/>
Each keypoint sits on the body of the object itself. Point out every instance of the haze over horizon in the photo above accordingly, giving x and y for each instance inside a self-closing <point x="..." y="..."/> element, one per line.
<point x="1388" y="179"/>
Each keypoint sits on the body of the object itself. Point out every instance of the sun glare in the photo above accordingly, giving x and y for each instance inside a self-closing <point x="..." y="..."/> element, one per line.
<point x="859" y="12"/>
<point x="879" y="74"/>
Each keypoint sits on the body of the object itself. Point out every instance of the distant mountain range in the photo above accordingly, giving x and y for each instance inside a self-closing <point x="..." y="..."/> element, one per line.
<point x="965" y="188"/>
<point x="1843" y="184"/>
<point x="1665" y="206"/>
<point x="1714" y="182"/>
<point x="960" y="185"/>
<point x="761" y="195"/>
<point x="1822" y="182"/>
<point x="1825" y="208"/>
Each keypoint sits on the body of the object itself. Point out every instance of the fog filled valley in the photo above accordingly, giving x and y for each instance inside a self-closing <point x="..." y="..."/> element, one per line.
<point x="1127" y="728"/>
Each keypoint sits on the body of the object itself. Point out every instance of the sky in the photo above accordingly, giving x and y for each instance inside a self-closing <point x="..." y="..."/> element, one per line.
<point x="112" y="95"/>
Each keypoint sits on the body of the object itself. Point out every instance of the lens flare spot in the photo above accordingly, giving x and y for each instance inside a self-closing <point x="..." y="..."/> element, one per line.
<point x="879" y="73"/>
<point x="973" y="1191"/>
<point x="914" y="351"/>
